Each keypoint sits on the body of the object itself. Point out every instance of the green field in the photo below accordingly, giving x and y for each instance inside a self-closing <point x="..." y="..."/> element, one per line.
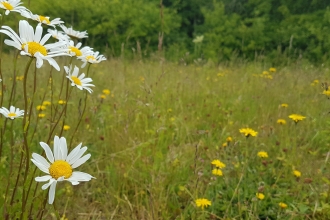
<point x="199" y="125"/>
<point x="153" y="139"/>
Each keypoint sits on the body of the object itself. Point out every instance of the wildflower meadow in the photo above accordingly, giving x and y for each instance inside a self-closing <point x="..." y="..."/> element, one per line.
<point x="88" y="137"/>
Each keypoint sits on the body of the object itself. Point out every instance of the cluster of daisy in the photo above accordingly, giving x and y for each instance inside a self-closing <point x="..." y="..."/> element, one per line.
<point x="32" y="42"/>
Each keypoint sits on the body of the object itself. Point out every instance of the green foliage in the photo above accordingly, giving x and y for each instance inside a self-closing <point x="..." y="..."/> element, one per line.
<point x="112" y="24"/>
<point x="280" y="31"/>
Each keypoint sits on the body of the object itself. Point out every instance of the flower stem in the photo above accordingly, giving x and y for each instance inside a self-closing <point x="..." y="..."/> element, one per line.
<point x="81" y="112"/>
<point x="25" y="133"/>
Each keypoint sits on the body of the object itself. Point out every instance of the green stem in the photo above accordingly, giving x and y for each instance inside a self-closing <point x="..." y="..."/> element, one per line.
<point x="82" y="112"/>
<point x="25" y="132"/>
<point x="1" y="77"/>
<point x="5" y="214"/>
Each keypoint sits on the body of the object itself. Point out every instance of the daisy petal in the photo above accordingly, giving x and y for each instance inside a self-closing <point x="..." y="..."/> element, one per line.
<point x="43" y="178"/>
<point x="52" y="193"/>
<point x="81" y="161"/>
<point x="48" y="151"/>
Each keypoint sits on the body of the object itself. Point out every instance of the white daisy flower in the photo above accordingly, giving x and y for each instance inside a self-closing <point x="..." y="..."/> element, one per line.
<point x="12" y="113"/>
<point x="74" y="34"/>
<point x="42" y="19"/>
<point x="75" y="50"/>
<point x="12" y="5"/>
<point x="61" y="165"/>
<point x="92" y="58"/>
<point x="59" y="35"/>
<point x="81" y="82"/>
<point x="31" y="44"/>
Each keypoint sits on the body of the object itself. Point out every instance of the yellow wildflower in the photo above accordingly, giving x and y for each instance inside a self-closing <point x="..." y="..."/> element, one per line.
<point x="217" y="172"/>
<point x="326" y="92"/>
<point x="202" y="203"/>
<point x="297" y="173"/>
<point x="272" y="69"/>
<point x="41" y="107"/>
<point x="106" y="91"/>
<point x="283" y="205"/>
<point x="229" y="139"/>
<point x="262" y="154"/>
<point x="41" y="115"/>
<point x="248" y="132"/>
<point x="281" y="121"/>
<point x="218" y="164"/>
<point x="46" y="103"/>
<point x="260" y="196"/>
<point x="66" y="127"/>
<point x="61" y="102"/>
<point x="296" y="117"/>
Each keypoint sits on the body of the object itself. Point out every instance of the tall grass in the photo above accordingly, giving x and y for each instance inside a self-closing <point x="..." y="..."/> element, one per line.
<point x="154" y="137"/>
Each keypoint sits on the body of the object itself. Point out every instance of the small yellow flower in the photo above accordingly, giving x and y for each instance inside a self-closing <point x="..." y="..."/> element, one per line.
<point x="41" y="115"/>
<point x="218" y="164"/>
<point x="229" y="139"/>
<point x="172" y="119"/>
<point x="61" y="102"/>
<point x="102" y="96"/>
<point x="248" y="132"/>
<point x="63" y="217"/>
<point x="315" y="82"/>
<point x="169" y="110"/>
<point x="224" y="144"/>
<point x="281" y="121"/>
<point x="202" y="203"/>
<point x="41" y="107"/>
<point x="326" y="92"/>
<point x="46" y="103"/>
<point x="182" y="188"/>
<point x="296" y="117"/>
<point x="269" y="76"/>
<point x="297" y="173"/>
<point x="217" y="172"/>
<point x="284" y="105"/>
<point x="283" y="205"/>
<point x="260" y="196"/>
<point x="272" y="69"/>
<point x="265" y="73"/>
<point x="106" y="91"/>
<point x="66" y="127"/>
<point x="19" y="78"/>
<point x="262" y="154"/>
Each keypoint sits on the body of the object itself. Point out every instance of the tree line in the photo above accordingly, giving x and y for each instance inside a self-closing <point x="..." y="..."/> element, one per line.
<point x="206" y="29"/>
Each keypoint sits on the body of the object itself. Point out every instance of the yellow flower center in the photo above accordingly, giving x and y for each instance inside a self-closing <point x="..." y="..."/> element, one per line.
<point x="7" y="6"/>
<point x="60" y="168"/>
<point x="12" y="114"/>
<point x="44" y="19"/>
<point x="76" y="80"/>
<point x="34" y="47"/>
<point x="76" y="51"/>
<point x="90" y="58"/>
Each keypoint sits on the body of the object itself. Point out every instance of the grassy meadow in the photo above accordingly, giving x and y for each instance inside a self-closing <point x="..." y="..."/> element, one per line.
<point x="154" y="137"/>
